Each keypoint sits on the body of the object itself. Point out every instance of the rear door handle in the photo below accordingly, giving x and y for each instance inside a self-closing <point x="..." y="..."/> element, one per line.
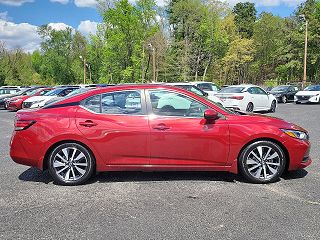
<point x="161" y="127"/>
<point x="88" y="123"/>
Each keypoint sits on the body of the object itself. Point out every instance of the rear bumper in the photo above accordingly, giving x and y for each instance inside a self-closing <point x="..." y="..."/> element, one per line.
<point x="24" y="152"/>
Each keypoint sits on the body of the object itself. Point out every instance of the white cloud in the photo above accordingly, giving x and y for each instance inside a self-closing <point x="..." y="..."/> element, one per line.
<point x="16" y="3"/>
<point x="4" y="16"/>
<point x="60" y="1"/>
<point x="87" y="27"/>
<point x="86" y="3"/>
<point x="23" y="35"/>
<point x="59" y="26"/>
<point x="268" y="3"/>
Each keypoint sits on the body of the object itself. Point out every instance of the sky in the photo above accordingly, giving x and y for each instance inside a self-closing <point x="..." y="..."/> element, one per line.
<point x="19" y="19"/>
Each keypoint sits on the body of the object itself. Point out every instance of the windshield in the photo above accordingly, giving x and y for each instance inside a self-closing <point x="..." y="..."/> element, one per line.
<point x="54" y="92"/>
<point x="31" y="92"/>
<point x="313" y="88"/>
<point x="232" y="90"/>
<point x="191" y="88"/>
<point x="78" y="91"/>
<point x="280" y="89"/>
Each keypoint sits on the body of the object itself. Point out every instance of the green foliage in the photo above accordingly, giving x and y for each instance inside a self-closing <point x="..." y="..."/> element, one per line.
<point x="189" y="39"/>
<point x="245" y="17"/>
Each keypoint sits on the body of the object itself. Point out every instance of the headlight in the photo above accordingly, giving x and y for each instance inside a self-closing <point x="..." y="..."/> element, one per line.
<point x="296" y="134"/>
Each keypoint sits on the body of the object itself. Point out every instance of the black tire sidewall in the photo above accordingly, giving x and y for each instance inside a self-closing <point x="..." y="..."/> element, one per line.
<point x="251" y="106"/>
<point x="84" y="178"/>
<point x="244" y="154"/>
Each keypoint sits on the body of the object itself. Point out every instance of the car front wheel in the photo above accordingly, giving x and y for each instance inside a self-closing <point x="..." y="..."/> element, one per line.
<point x="262" y="162"/>
<point x="284" y="99"/>
<point x="71" y="164"/>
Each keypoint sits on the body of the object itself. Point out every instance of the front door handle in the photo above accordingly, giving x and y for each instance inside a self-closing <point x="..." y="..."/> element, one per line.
<point x="161" y="127"/>
<point x="88" y="123"/>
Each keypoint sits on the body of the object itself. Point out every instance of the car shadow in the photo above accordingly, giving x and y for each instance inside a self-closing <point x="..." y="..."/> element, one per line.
<point x="165" y="176"/>
<point x="297" y="174"/>
<point x="35" y="175"/>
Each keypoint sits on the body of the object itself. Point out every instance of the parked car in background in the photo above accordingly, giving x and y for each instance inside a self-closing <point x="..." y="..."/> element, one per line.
<point x="15" y="103"/>
<point x="284" y="93"/>
<point x="310" y="94"/>
<point x="154" y="128"/>
<point x="268" y="89"/>
<point x="249" y="98"/>
<point x="73" y="93"/>
<point x="192" y="88"/>
<point x="21" y="92"/>
<point x="39" y="101"/>
<point x="207" y="87"/>
<point x="5" y="91"/>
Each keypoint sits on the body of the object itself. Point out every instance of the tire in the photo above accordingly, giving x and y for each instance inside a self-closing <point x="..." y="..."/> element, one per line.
<point x="250" y="107"/>
<point x="71" y="164"/>
<point x="284" y="99"/>
<point x="262" y="162"/>
<point x="298" y="102"/>
<point x="273" y="107"/>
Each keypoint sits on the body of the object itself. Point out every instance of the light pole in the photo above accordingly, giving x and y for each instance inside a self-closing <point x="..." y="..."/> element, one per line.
<point x="89" y="67"/>
<point x="153" y="50"/>
<point x="304" y="81"/>
<point x="84" y="68"/>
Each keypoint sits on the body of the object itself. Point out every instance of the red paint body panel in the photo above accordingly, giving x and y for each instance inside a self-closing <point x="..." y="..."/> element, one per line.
<point x="123" y="142"/>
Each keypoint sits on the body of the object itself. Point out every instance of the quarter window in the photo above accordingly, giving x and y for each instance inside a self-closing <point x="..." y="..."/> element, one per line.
<point x="166" y="103"/>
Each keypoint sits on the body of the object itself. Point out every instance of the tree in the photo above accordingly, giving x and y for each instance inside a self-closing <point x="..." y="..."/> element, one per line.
<point x="237" y="59"/>
<point x="245" y="17"/>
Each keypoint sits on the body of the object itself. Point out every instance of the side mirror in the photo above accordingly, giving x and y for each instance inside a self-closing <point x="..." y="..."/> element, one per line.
<point x="210" y="114"/>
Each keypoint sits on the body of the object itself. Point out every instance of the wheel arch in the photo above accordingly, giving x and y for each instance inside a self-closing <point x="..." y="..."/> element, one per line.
<point x="49" y="150"/>
<point x="270" y="140"/>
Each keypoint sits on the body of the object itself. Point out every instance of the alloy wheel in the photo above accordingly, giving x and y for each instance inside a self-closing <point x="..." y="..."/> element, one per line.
<point x="250" y="107"/>
<point x="263" y="162"/>
<point x="71" y="164"/>
<point x="284" y="99"/>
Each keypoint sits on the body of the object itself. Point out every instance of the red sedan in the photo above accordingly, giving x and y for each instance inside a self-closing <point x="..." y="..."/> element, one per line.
<point x="15" y="103"/>
<point x="154" y="128"/>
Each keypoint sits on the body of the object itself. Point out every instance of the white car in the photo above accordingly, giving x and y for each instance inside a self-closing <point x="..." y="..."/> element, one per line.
<point x="6" y="91"/>
<point x="40" y="101"/>
<point x="192" y="88"/>
<point x="310" y="94"/>
<point x="249" y="98"/>
<point x="207" y="87"/>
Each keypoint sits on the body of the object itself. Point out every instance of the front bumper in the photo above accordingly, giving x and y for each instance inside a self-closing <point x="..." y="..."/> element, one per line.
<point x="307" y="99"/>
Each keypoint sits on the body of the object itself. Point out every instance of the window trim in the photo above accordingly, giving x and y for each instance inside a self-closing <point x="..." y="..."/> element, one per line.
<point x="150" y="111"/>
<point x="143" y="103"/>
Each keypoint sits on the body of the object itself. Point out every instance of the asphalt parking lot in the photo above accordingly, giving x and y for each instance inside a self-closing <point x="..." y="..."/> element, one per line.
<point x="184" y="205"/>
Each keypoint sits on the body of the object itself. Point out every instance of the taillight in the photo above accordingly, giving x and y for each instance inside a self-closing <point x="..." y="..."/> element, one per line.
<point x="237" y="97"/>
<point x="23" y="124"/>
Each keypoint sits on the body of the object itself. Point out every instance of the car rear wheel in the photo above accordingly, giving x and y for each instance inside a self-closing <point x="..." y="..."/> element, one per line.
<point x="273" y="106"/>
<point x="250" y="107"/>
<point x="262" y="162"/>
<point x="71" y="164"/>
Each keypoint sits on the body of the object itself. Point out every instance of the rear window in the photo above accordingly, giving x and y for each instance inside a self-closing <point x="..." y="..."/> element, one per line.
<point x="232" y="90"/>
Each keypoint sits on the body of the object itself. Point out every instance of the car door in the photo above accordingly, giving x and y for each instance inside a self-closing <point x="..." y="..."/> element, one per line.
<point x="117" y="125"/>
<point x="291" y="93"/>
<point x="260" y="98"/>
<point x="179" y="135"/>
